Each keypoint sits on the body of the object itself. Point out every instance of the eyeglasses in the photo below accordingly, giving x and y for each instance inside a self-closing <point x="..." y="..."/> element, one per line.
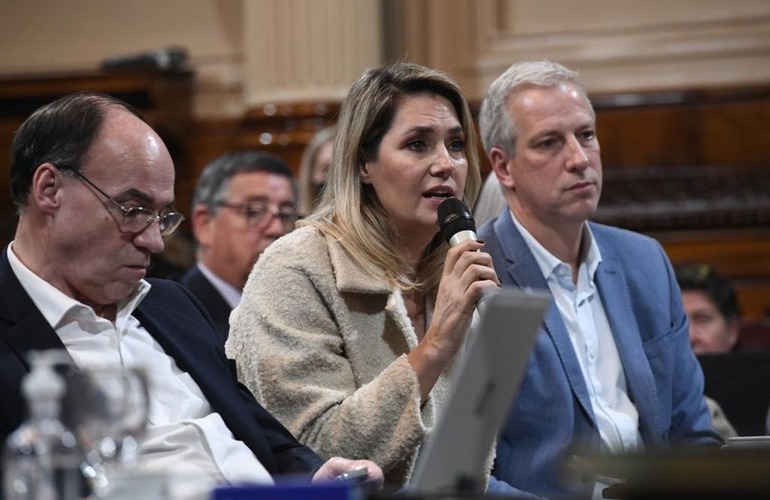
<point x="137" y="219"/>
<point x="259" y="215"/>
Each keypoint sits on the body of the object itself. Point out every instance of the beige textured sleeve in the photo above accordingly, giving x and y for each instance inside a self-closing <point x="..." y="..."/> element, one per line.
<point x="291" y="337"/>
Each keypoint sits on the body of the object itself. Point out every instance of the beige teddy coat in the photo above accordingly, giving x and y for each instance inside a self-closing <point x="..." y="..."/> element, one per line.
<point x="323" y="347"/>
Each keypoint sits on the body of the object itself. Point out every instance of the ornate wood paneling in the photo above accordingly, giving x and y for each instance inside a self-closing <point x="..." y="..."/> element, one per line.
<point x="163" y="98"/>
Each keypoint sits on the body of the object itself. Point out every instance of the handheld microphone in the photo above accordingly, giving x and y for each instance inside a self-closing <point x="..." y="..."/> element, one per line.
<point x="457" y="225"/>
<point x="456" y="222"/>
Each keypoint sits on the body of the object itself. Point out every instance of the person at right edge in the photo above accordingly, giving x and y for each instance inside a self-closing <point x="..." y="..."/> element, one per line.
<point x="612" y="369"/>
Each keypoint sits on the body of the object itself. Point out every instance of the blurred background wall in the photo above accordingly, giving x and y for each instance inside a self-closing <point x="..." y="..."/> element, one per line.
<point x="249" y="52"/>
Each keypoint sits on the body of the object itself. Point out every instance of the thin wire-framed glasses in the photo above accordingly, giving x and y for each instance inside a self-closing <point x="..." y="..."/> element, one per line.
<point x="260" y="215"/>
<point x="137" y="219"/>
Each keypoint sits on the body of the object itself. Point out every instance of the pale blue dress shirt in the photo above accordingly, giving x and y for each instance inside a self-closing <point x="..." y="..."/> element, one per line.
<point x="589" y="330"/>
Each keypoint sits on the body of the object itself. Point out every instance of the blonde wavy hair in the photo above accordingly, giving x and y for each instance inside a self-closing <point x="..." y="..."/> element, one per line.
<point x="349" y="210"/>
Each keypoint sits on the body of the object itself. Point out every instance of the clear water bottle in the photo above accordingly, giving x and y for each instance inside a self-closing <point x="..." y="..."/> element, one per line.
<point x="42" y="458"/>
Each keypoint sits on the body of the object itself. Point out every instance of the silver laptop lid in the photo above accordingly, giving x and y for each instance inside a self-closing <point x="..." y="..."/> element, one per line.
<point x="483" y="385"/>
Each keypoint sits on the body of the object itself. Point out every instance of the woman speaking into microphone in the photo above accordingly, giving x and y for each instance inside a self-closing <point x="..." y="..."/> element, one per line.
<point x="348" y="326"/>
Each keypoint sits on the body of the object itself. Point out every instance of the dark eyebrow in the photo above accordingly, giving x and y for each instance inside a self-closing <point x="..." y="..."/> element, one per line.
<point x="266" y="201"/>
<point x="257" y="199"/>
<point x="429" y="130"/>
<point x="543" y="134"/>
<point x="418" y="129"/>
<point x="136" y="194"/>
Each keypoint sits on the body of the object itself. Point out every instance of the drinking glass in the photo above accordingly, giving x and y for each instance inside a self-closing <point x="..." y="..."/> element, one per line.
<point x="107" y="410"/>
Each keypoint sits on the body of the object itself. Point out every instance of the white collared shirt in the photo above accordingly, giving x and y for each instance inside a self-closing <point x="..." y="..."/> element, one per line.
<point x="231" y="294"/>
<point x="183" y="434"/>
<point x="589" y="330"/>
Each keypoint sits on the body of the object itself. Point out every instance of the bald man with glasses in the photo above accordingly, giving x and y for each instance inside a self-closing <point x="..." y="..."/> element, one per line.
<point x="94" y="188"/>
<point x="244" y="201"/>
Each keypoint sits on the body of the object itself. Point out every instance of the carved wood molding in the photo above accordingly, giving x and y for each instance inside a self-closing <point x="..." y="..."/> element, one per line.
<point x="632" y="58"/>
<point x="627" y="47"/>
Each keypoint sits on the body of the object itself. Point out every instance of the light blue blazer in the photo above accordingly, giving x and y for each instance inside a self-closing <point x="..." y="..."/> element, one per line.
<point x="553" y="412"/>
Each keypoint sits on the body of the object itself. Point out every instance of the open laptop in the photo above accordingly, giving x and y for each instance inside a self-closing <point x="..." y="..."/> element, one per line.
<point x="483" y="386"/>
<point x="740" y="383"/>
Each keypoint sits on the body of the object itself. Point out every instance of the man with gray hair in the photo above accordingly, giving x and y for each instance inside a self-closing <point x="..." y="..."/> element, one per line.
<point x="243" y="202"/>
<point x="612" y="370"/>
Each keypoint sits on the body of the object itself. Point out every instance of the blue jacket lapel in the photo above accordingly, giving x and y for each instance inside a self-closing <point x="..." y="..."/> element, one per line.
<point x="522" y="270"/>
<point x="611" y="283"/>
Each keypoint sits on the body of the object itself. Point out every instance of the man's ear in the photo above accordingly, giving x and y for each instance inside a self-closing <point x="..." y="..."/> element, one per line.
<point x="46" y="183"/>
<point x="363" y="171"/>
<point x="500" y="161"/>
<point x="202" y="222"/>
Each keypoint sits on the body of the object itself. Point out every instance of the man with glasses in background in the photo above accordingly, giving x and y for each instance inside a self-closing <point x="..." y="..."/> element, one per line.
<point x="243" y="202"/>
<point x="94" y="188"/>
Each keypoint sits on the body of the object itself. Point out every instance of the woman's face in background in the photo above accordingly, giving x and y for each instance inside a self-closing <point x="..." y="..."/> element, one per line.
<point x="321" y="163"/>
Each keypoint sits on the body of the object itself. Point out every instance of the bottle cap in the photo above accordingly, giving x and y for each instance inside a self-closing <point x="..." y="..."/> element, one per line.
<point x="43" y="383"/>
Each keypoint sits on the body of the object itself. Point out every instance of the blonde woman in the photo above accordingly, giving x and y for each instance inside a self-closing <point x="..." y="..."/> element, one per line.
<point x="348" y="327"/>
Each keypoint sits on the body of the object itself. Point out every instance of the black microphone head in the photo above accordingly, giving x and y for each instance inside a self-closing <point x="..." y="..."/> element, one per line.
<point x="454" y="217"/>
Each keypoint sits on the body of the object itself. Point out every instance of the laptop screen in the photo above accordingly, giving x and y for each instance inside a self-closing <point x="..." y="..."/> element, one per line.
<point x="740" y="383"/>
<point x="483" y="385"/>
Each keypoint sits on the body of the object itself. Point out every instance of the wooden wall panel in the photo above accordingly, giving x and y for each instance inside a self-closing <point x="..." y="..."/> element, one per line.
<point x="725" y="126"/>
<point x="164" y="99"/>
<point x="742" y="256"/>
<point x="283" y="129"/>
<point x="737" y="132"/>
<point x="662" y="135"/>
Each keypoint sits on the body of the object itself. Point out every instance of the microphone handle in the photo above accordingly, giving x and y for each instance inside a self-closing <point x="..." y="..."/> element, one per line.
<point x="458" y="238"/>
<point x="461" y="236"/>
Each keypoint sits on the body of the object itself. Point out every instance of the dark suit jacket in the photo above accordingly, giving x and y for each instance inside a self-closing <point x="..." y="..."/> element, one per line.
<point x="212" y="300"/>
<point x="553" y="409"/>
<point x="178" y="323"/>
